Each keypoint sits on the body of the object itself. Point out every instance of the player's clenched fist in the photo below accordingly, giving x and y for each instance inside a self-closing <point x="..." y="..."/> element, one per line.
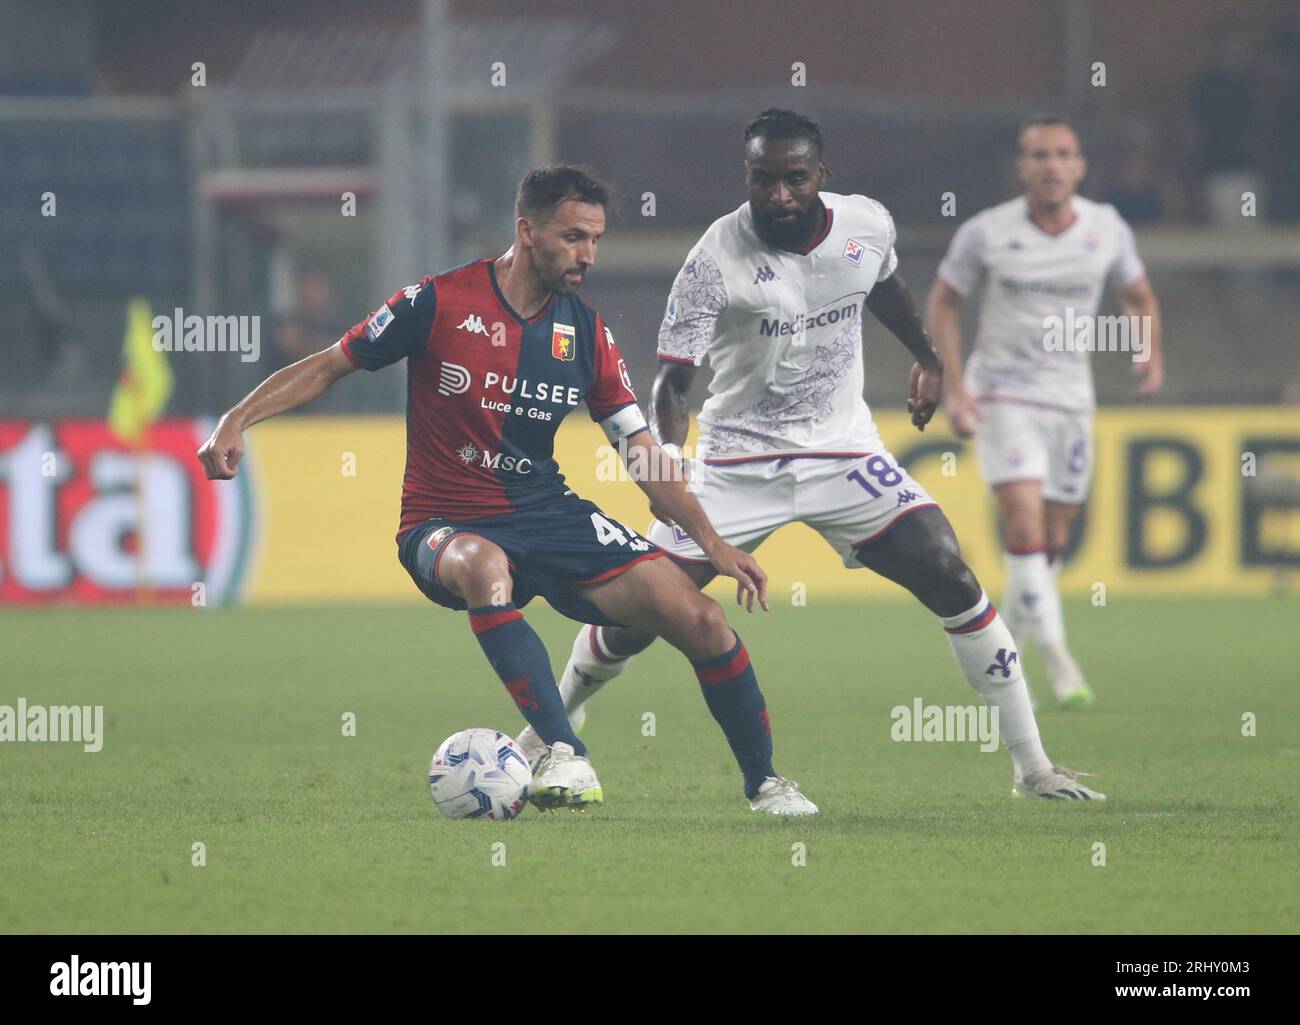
<point x="924" y="386"/>
<point x="222" y="451"/>
<point x="751" y="581"/>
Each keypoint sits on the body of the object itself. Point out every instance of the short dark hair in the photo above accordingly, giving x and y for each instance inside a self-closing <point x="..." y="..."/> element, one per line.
<point x="1035" y="120"/>
<point x="775" y="123"/>
<point x="543" y="189"/>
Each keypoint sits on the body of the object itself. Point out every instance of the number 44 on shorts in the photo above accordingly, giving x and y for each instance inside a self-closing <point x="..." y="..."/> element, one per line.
<point x="608" y="533"/>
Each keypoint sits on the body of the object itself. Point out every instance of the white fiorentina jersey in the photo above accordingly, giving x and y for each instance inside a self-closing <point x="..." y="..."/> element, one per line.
<point x="1029" y="277"/>
<point x="783" y="332"/>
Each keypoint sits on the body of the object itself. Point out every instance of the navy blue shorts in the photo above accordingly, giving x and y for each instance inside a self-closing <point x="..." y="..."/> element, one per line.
<point x="555" y="549"/>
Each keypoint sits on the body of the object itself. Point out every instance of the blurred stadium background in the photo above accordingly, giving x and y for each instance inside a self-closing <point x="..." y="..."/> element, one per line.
<point x="200" y="156"/>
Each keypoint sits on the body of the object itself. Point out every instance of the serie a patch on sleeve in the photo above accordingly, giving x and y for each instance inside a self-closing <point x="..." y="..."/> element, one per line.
<point x="379" y="320"/>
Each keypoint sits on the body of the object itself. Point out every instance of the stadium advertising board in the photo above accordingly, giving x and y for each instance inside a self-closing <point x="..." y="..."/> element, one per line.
<point x="1185" y="501"/>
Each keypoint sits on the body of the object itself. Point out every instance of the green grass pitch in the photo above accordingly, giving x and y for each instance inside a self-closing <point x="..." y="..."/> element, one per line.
<point x="224" y="727"/>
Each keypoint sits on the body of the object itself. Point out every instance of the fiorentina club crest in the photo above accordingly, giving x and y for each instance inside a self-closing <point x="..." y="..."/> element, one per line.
<point x="562" y="341"/>
<point x="853" y="252"/>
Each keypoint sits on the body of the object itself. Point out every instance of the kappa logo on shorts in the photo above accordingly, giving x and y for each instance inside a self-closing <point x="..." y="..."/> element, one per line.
<point x="905" y="496"/>
<point x="439" y="536"/>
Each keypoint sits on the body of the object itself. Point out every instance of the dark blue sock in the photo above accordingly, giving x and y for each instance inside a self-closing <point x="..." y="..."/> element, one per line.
<point x="520" y="659"/>
<point x="731" y="691"/>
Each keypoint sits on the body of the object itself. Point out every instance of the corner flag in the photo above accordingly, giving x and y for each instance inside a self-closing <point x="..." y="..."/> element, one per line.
<point x="145" y="384"/>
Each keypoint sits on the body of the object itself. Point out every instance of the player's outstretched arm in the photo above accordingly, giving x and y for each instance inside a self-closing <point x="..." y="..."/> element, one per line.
<point x="1139" y="300"/>
<point x="284" y="390"/>
<point x="665" y="486"/>
<point x="942" y="310"/>
<point x="891" y="302"/>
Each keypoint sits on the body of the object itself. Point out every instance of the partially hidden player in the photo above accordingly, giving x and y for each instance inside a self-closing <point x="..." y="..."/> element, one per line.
<point x="1042" y="261"/>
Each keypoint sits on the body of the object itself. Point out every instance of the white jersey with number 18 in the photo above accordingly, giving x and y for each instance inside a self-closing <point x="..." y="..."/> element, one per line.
<point x="783" y="333"/>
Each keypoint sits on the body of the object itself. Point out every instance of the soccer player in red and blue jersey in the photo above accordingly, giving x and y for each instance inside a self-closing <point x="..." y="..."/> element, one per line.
<point x="498" y="352"/>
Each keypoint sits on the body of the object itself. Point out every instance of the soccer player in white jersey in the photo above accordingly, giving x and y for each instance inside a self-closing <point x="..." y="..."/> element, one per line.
<point x="774" y="295"/>
<point x="1045" y="258"/>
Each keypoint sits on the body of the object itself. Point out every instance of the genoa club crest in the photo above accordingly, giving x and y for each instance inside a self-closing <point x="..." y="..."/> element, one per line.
<point x="562" y="341"/>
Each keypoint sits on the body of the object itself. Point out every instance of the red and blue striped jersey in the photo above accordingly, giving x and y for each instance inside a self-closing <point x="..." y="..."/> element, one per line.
<point x="487" y="389"/>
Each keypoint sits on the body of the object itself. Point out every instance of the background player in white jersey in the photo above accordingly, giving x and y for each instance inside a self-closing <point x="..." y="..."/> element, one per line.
<point x="774" y="295"/>
<point x="1045" y="258"/>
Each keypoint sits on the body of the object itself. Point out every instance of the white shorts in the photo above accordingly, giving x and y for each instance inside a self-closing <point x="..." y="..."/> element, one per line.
<point x="849" y="501"/>
<point x="1015" y="441"/>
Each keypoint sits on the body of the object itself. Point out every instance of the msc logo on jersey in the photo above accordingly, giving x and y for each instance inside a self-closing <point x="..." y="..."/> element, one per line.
<point x="563" y="342"/>
<point x="473" y="323"/>
<point x="470" y="453"/>
<point x="853" y="252"/>
<point x="453" y="379"/>
<point x="381" y="318"/>
<point x="765" y="274"/>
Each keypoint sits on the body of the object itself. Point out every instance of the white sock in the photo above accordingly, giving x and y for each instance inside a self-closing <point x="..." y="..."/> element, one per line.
<point x="1033" y="603"/>
<point x="591" y="665"/>
<point x="987" y="654"/>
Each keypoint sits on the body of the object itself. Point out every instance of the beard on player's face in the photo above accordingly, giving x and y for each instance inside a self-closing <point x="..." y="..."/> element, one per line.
<point x="783" y="227"/>
<point x="558" y="270"/>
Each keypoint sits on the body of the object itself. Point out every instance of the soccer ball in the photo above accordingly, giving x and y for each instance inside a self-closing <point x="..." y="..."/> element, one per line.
<point x="479" y="774"/>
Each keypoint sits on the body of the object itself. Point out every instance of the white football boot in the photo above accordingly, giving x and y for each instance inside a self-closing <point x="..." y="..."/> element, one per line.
<point x="780" y="796"/>
<point x="564" y="779"/>
<point x="533" y="747"/>
<point x="1056" y="782"/>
